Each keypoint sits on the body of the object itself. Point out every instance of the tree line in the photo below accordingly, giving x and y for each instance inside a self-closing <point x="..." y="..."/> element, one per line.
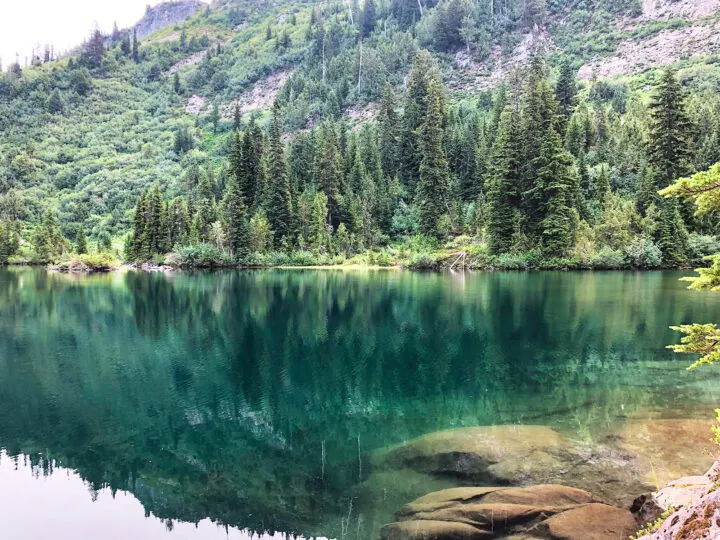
<point x="525" y="171"/>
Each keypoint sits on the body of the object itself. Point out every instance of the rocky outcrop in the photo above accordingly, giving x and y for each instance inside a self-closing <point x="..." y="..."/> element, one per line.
<point x="696" y="500"/>
<point x="544" y="511"/>
<point x="166" y="14"/>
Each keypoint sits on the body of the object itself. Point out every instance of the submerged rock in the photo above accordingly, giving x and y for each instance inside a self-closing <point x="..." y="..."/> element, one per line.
<point x="544" y="511"/>
<point x="665" y="449"/>
<point x="519" y="456"/>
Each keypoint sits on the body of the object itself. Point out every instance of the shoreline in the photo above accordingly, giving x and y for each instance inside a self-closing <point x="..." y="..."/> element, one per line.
<point x="345" y="267"/>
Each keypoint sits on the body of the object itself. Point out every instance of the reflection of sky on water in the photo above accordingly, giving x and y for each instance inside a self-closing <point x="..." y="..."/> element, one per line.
<point x="34" y="506"/>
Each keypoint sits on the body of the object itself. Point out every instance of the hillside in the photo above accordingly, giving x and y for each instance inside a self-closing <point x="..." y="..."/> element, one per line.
<point x="84" y="136"/>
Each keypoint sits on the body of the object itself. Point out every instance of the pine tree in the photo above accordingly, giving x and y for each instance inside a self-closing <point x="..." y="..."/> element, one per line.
<point x="49" y="243"/>
<point x="237" y="226"/>
<point x="672" y="236"/>
<point x="647" y="192"/>
<point x="135" y="47"/>
<point x="155" y="230"/>
<point x="81" y="241"/>
<point x="539" y="114"/>
<point x="602" y="184"/>
<point x="237" y="117"/>
<point x="279" y="199"/>
<point x="177" y="88"/>
<point x="330" y="174"/>
<point x="557" y="180"/>
<point x="504" y="176"/>
<point x="94" y="50"/>
<point x="369" y="17"/>
<point x="423" y="71"/>
<point x="388" y="125"/>
<point x="140" y="249"/>
<point x="433" y="188"/>
<point x="215" y="117"/>
<point x="9" y="240"/>
<point x="670" y="131"/>
<point x="566" y="89"/>
<point x="205" y="213"/>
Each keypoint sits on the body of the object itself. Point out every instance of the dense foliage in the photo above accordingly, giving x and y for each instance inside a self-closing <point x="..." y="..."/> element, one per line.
<point x="145" y="148"/>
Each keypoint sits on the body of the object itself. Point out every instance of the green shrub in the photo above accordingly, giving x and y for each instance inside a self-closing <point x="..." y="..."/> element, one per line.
<point x="643" y="253"/>
<point x="88" y="262"/>
<point x="701" y="245"/>
<point x="203" y="256"/>
<point x="608" y="258"/>
<point x="425" y="260"/>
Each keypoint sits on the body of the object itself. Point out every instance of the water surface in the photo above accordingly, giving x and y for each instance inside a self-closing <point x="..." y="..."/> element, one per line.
<point x="251" y="402"/>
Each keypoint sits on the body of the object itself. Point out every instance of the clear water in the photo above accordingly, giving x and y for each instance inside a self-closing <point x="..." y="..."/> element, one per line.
<point x="250" y="403"/>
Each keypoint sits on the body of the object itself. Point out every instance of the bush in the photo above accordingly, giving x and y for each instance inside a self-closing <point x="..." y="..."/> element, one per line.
<point x="643" y="253"/>
<point x="701" y="245"/>
<point x="95" y="262"/>
<point x="513" y="261"/>
<point x="608" y="258"/>
<point x="203" y="256"/>
<point x="425" y="260"/>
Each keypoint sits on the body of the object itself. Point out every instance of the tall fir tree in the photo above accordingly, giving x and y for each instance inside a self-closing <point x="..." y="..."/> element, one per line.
<point x="424" y="70"/>
<point x="81" y="246"/>
<point x="237" y="224"/>
<point x="433" y="189"/>
<point x="388" y="126"/>
<point x="279" y="201"/>
<point x="330" y="174"/>
<point x="670" y="131"/>
<point x="369" y="18"/>
<point x="566" y="89"/>
<point x="504" y="176"/>
<point x="558" y="182"/>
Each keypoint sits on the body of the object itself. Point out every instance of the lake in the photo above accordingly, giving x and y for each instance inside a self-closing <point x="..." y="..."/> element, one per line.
<point x="260" y="404"/>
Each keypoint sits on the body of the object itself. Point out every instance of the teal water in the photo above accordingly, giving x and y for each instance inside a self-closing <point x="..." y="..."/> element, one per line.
<point x="251" y="402"/>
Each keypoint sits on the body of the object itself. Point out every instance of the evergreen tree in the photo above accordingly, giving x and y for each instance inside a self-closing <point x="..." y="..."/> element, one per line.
<point x="94" y="50"/>
<point x="177" y="88"/>
<point x="49" y="243"/>
<point x="669" y="149"/>
<point x="330" y="175"/>
<point x="558" y="182"/>
<point x="602" y="184"/>
<point x="81" y="241"/>
<point x="434" y="186"/>
<point x="566" y="89"/>
<point x="279" y="201"/>
<point x="135" y="48"/>
<point x="423" y="71"/>
<point x="237" y="117"/>
<point x="672" y="236"/>
<point x="215" y="117"/>
<point x="647" y="192"/>
<point x="178" y="223"/>
<point x="237" y="226"/>
<point x="388" y="126"/>
<point x="539" y="114"/>
<point x="369" y="17"/>
<point x="205" y="212"/>
<point x="140" y="249"/>
<point x="9" y="240"/>
<point x="504" y="176"/>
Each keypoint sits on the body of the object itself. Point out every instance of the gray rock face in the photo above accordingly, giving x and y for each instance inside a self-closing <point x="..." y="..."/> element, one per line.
<point x="166" y="14"/>
<point x="696" y="501"/>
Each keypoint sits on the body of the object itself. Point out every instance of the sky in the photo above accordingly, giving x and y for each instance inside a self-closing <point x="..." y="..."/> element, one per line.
<point x="64" y="23"/>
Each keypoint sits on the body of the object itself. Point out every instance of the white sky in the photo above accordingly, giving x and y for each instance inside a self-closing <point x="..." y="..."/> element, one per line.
<point x="64" y="23"/>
